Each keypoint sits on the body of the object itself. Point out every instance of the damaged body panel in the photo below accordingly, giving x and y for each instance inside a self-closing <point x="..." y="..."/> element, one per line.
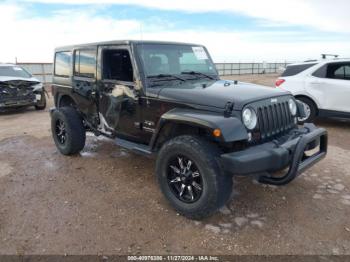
<point x="18" y="88"/>
<point x="114" y="104"/>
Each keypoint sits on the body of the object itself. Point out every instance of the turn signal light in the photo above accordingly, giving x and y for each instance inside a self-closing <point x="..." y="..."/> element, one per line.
<point x="279" y="82"/>
<point x="217" y="132"/>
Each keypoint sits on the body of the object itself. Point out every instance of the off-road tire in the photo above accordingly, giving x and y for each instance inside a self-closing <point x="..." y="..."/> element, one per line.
<point x="313" y="110"/>
<point x="217" y="186"/>
<point x="75" y="131"/>
<point x="42" y="104"/>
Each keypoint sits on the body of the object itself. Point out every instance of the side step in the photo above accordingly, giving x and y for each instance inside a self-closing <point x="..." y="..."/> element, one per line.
<point x="135" y="147"/>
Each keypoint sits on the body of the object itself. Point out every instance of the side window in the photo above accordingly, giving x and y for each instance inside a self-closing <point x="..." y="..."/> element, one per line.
<point x="117" y="65"/>
<point x="343" y="72"/>
<point x="347" y="72"/>
<point x="339" y="71"/>
<point x="85" y="63"/>
<point x="63" y="61"/>
<point x="321" y="72"/>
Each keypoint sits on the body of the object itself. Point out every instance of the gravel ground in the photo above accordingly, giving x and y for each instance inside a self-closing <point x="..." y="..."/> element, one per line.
<point x="106" y="201"/>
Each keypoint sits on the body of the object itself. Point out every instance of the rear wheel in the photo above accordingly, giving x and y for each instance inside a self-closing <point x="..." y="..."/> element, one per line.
<point x="68" y="130"/>
<point x="191" y="178"/>
<point x="310" y="110"/>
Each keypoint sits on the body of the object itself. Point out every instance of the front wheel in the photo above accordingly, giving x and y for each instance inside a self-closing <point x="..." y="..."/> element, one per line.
<point x="190" y="176"/>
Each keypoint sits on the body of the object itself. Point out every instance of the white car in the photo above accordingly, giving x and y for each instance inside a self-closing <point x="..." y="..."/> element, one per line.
<point x="18" y="88"/>
<point x="323" y="86"/>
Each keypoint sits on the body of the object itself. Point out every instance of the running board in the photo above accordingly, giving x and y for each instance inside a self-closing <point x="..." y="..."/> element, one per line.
<point x="135" y="147"/>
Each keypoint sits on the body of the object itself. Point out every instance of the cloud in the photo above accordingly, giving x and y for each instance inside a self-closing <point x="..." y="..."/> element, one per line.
<point x="321" y="14"/>
<point x="32" y="38"/>
<point x="254" y="46"/>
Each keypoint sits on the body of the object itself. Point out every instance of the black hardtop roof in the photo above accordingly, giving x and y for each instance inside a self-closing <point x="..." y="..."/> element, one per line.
<point x="119" y="42"/>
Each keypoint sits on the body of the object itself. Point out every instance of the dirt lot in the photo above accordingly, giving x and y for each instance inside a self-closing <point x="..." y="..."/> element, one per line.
<point x="106" y="201"/>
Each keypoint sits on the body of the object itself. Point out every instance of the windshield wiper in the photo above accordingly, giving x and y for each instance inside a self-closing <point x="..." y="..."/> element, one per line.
<point x="166" y="76"/>
<point x="197" y="73"/>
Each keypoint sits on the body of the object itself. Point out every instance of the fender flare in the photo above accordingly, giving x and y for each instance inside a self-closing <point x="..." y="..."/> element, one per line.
<point x="231" y="128"/>
<point x="61" y="95"/>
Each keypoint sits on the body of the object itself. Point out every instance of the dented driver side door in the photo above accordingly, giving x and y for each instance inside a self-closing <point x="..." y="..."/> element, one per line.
<point x="118" y="94"/>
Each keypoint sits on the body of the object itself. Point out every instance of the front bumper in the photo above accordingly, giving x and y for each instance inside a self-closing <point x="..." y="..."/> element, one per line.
<point x="277" y="155"/>
<point x="19" y="101"/>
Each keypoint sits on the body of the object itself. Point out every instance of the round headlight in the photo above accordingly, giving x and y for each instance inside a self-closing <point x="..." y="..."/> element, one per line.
<point x="292" y="107"/>
<point x="249" y="118"/>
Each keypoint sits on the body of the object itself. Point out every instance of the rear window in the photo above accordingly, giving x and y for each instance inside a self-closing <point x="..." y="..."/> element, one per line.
<point x="296" y="69"/>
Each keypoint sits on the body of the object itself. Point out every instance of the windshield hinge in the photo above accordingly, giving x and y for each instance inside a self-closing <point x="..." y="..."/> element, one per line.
<point x="228" y="109"/>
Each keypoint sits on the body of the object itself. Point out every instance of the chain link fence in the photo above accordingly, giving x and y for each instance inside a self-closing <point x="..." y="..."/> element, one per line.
<point x="225" y="69"/>
<point x="43" y="71"/>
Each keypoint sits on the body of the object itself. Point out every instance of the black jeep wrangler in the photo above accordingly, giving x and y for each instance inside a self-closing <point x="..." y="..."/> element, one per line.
<point x="166" y="100"/>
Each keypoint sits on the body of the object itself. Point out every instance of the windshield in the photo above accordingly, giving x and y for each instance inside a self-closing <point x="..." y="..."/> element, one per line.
<point x="14" y="71"/>
<point x="175" y="59"/>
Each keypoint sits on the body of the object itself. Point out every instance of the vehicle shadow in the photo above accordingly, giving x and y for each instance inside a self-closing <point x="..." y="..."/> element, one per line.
<point x="333" y="122"/>
<point x="15" y="111"/>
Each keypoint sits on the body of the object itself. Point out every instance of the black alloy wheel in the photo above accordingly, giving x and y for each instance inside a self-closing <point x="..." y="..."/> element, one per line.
<point x="190" y="176"/>
<point x="68" y="130"/>
<point x="60" y="131"/>
<point x="184" y="179"/>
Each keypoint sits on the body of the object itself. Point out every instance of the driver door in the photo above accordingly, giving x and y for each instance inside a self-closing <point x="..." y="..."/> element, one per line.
<point x="118" y="101"/>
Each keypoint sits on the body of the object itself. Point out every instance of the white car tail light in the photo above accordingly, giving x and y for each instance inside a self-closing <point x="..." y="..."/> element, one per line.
<point x="279" y="82"/>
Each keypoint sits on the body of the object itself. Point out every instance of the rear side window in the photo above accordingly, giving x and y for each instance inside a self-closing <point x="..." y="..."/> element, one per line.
<point x="85" y="63"/>
<point x="321" y="72"/>
<point x="339" y="71"/>
<point x="63" y="61"/>
<point x="296" y="69"/>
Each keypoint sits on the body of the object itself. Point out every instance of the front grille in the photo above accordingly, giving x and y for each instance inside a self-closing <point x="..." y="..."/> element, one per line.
<point x="274" y="119"/>
<point x="11" y="91"/>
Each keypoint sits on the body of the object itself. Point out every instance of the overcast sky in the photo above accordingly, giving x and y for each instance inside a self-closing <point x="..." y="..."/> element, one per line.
<point x="232" y="30"/>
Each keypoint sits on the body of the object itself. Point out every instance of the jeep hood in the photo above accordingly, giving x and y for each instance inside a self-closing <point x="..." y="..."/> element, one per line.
<point x="217" y="93"/>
